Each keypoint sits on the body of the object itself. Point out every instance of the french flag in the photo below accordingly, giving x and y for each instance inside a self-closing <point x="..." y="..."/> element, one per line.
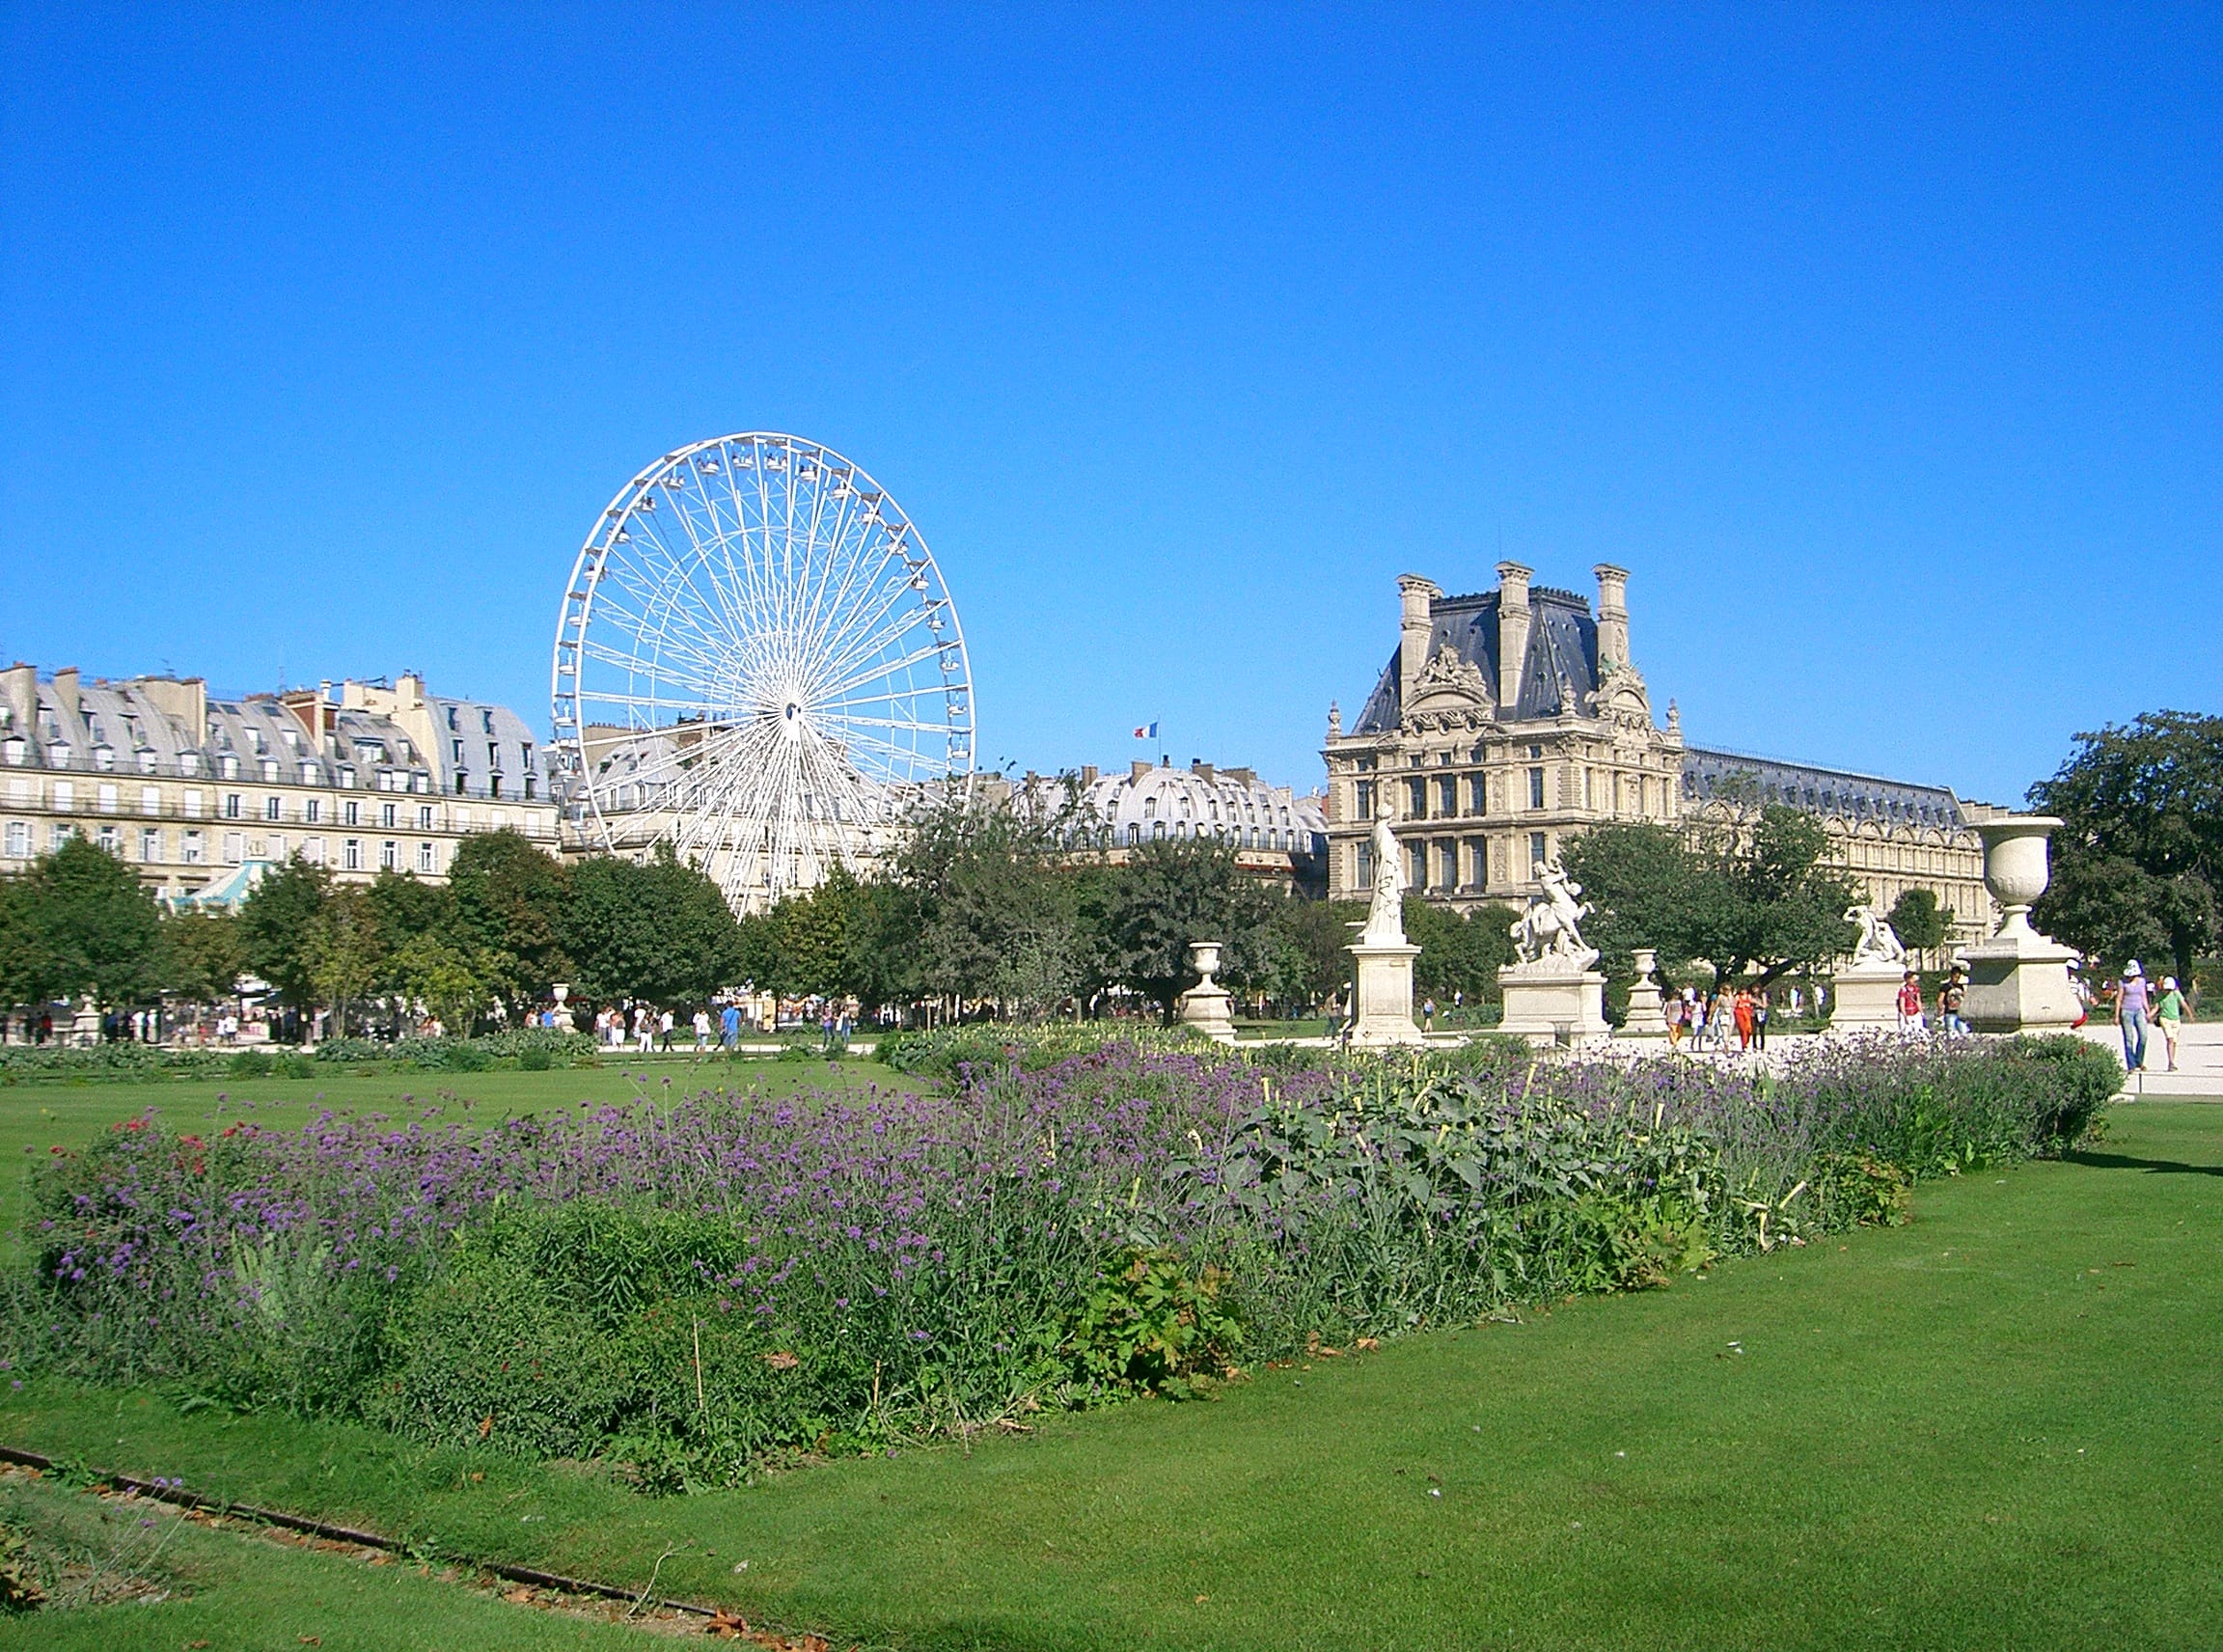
<point x="1147" y="734"/>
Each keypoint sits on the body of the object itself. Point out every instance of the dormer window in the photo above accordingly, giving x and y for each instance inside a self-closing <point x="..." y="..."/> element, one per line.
<point x="103" y="757"/>
<point x="146" y="759"/>
<point x="229" y="766"/>
<point x="58" y="755"/>
<point x="487" y="720"/>
<point x="451" y="717"/>
<point x="188" y="762"/>
<point x="14" y="751"/>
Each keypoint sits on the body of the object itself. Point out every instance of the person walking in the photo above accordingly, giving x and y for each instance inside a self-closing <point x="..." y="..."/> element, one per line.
<point x="1759" y="1020"/>
<point x="644" y="1029"/>
<point x="702" y="1031"/>
<point x="1741" y="1012"/>
<point x="1950" y="997"/>
<point x="664" y="1024"/>
<point x="2170" y="1013"/>
<point x="2130" y="1007"/>
<point x="1910" y="1004"/>
<point x="730" y="1028"/>
<point x="1722" y="1018"/>
<point x="1677" y="1013"/>
<point x="1427" y="1016"/>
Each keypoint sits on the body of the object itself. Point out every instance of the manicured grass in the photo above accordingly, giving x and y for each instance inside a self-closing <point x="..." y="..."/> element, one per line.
<point x="2001" y="1426"/>
<point x="232" y="1589"/>
<point x="37" y="1117"/>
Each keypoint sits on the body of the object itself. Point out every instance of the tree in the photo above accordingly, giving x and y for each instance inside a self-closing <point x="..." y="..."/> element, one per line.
<point x="444" y="977"/>
<point x="992" y="911"/>
<point x="342" y="952"/>
<point x="1918" y="920"/>
<point x="207" y="954"/>
<point x="1175" y="890"/>
<point x="657" y="931"/>
<point x="507" y="904"/>
<point x="276" y="922"/>
<point x="2138" y="861"/>
<point x="1460" y="953"/>
<point x="1756" y="890"/>
<point x="1310" y="941"/>
<point x="79" y="924"/>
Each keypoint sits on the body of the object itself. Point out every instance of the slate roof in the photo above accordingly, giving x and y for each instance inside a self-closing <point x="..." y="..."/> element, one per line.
<point x="1562" y="654"/>
<point x="1823" y="791"/>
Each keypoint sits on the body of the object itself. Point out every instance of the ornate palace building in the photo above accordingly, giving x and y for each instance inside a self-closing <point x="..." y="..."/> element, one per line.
<point x="199" y="795"/>
<point x="1509" y="719"/>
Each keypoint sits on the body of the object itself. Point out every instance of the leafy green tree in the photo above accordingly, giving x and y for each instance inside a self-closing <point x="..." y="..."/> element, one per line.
<point x="344" y="955"/>
<point x="507" y="904"/>
<point x="1309" y="941"/>
<point x="446" y="977"/>
<point x="657" y="930"/>
<point x="993" y="911"/>
<point x="1758" y="890"/>
<point x="276" y="922"/>
<point x="1459" y="953"/>
<point x="1918" y="920"/>
<point x="79" y="922"/>
<point x="2138" y="861"/>
<point x="406" y="907"/>
<point x="1175" y="890"/>
<point x="207" y="954"/>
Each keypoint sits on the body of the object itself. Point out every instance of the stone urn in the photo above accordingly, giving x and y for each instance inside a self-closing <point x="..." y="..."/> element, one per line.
<point x="1645" y="1019"/>
<point x="2018" y="979"/>
<point x="1206" y="1006"/>
<point x="2017" y="865"/>
<point x="564" y="1021"/>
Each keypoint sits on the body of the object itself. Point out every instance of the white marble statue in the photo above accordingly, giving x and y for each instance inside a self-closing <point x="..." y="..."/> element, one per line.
<point x="1386" y="917"/>
<point x="1879" y="942"/>
<point x="1550" y="931"/>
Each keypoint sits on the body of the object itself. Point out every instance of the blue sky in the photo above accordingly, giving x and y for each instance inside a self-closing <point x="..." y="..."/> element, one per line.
<point x="1884" y="345"/>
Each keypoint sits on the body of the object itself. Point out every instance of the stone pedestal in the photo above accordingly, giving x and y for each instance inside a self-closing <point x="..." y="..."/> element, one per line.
<point x="1552" y="1001"/>
<point x="2019" y="983"/>
<point x="1205" y="1005"/>
<point x="1383" y="1016"/>
<point x="2018" y="979"/>
<point x="566" y="1021"/>
<point x="1866" y="997"/>
<point x="1645" y="1019"/>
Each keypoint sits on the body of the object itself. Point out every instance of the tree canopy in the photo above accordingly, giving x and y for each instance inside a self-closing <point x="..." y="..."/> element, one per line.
<point x="79" y="922"/>
<point x="1758" y="891"/>
<point x="2138" y="861"/>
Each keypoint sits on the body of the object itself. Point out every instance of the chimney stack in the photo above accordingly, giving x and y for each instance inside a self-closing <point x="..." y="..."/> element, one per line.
<point x="1612" y="614"/>
<point x="65" y="689"/>
<point x="1416" y="596"/>
<point x="1512" y="634"/>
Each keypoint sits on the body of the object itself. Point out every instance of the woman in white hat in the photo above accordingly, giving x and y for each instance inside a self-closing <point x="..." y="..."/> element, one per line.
<point x="2170" y="1013"/>
<point x="2130" y="1016"/>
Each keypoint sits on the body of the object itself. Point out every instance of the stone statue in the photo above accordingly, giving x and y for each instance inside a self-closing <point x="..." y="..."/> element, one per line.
<point x="1879" y="942"/>
<point x="1386" y="917"/>
<point x="1549" y="933"/>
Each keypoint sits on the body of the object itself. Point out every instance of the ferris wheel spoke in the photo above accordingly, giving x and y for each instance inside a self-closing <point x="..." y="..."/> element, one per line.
<point x="884" y="671"/>
<point x="718" y="591"/>
<point x="864" y="619"/>
<point x="631" y="580"/>
<point x="678" y="572"/>
<point x="882" y="589"/>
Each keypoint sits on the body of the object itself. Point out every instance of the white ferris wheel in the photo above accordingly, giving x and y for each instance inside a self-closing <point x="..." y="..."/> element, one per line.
<point x="758" y="660"/>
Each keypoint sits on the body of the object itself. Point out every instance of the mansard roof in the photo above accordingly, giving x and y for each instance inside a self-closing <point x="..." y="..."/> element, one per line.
<point x="1707" y="773"/>
<point x="1560" y="671"/>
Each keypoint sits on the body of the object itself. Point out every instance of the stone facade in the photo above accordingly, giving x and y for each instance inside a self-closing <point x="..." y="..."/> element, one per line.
<point x="198" y="794"/>
<point x="1504" y="723"/>
<point x="1509" y="721"/>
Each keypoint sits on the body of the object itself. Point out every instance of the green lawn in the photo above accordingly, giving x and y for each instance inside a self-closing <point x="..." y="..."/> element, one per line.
<point x="1999" y="1427"/>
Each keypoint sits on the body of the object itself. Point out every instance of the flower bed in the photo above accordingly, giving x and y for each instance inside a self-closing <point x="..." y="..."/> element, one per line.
<point x="697" y="1289"/>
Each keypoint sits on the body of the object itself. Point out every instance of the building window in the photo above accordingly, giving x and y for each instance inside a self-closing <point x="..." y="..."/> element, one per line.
<point x="1535" y="789"/>
<point x="1365" y="864"/>
<point x="313" y="810"/>
<point x="351" y="855"/>
<point x="1536" y="851"/>
<point x="386" y="816"/>
<point x="65" y="794"/>
<point x="234" y="848"/>
<point x="1416" y="866"/>
<point x="1365" y="800"/>
<point x="1157" y="830"/>
<point x="487" y="719"/>
<point x="424" y="857"/>
<point x="456" y="752"/>
<point x="313" y="851"/>
<point x="1417" y="799"/>
<point x="231" y="806"/>
<point x="273" y="809"/>
<point x="1447" y="863"/>
<point x="351" y="813"/>
<point x="18" y="839"/>
<point x="389" y="856"/>
<point x="189" y="848"/>
<point x="1448" y="796"/>
<point x="150" y="843"/>
<point x="1478" y="795"/>
<point x="150" y="800"/>
<point x="425" y="817"/>
<point x="347" y="776"/>
<point x="107" y="837"/>
<point x="109" y="800"/>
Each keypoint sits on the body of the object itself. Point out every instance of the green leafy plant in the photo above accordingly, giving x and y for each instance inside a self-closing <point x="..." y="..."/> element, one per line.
<point x="1154" y="1325"/>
